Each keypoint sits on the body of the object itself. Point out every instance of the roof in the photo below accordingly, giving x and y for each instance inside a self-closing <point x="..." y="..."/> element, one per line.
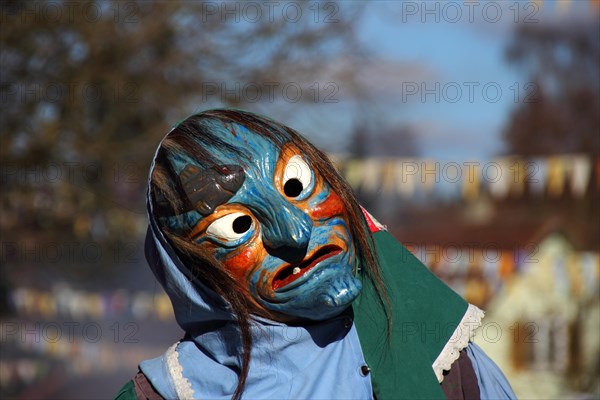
<point x="498" y="232"/>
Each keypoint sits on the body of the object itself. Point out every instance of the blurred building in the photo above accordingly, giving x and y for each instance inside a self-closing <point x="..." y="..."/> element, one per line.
<point x="540" y="290"/>
<point x="524" y="250"/>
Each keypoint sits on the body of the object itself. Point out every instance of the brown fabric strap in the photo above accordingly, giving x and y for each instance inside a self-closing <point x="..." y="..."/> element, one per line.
<point x="460" y="383"/>
<point x="144" y="389"/>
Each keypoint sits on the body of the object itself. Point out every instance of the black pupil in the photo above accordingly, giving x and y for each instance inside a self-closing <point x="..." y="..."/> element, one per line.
<point x="242" y="224"/>
<point x="293" y="188"/>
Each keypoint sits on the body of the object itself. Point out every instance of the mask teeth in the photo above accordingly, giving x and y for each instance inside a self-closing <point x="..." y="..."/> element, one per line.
<point x="296" y="270"/>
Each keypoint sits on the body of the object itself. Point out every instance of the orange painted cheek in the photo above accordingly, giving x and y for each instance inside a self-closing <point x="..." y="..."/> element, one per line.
<point x="330" y="207"/>
<point x="242" y="263"/>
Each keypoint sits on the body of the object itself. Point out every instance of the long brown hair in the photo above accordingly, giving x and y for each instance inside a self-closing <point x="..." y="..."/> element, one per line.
<point x="186" y="140"/>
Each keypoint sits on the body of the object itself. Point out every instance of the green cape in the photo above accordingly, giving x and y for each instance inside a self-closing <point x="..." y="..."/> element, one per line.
<point x="425" y="315"/>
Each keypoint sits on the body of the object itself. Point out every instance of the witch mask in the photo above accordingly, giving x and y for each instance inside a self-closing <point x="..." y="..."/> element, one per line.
<point x="255" y="203"/>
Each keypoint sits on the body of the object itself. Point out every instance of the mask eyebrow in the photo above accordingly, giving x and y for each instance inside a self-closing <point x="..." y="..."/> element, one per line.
<point x="206" y="189"/>
<point x="288" y="150"/>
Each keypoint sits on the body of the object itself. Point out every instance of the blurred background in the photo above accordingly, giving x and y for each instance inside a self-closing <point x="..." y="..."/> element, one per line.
<point x="470" y="128"/>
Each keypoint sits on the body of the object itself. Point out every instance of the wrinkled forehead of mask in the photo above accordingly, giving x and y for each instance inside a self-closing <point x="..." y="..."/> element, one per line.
<point x="211" y="163"/>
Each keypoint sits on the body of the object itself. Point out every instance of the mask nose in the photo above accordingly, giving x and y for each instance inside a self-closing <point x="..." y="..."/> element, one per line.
<point x="288" y="233"/>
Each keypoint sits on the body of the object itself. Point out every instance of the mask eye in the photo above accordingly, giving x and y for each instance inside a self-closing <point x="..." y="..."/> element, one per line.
<point x="297" y="177"/>
<point x="231" y="226"/>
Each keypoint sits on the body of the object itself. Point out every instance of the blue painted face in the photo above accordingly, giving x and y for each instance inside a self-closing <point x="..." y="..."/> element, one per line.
<point x="283" y="234"/>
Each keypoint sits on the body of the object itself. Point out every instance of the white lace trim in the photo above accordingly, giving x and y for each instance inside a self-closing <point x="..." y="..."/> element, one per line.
<point x="183" y="387"/>
<point x="464" y="332"/>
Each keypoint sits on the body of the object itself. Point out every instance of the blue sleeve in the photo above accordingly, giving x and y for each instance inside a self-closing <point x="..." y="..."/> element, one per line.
<point x="492" y="382"/>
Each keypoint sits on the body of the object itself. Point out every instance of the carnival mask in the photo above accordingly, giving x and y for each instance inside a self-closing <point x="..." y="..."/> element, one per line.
<point x="273" y="221"/>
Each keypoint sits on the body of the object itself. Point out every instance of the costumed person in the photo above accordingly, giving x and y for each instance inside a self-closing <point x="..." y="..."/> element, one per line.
<point x="285" y="287"/>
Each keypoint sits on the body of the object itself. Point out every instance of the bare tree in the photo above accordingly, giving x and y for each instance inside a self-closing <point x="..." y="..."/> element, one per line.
<point x="560" y="113"/>
<point x="89" y="88"/>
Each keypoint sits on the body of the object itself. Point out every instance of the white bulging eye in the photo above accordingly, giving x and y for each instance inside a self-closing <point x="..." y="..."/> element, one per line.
<point x="297" y="176"/>
<point x="230" y="227"/>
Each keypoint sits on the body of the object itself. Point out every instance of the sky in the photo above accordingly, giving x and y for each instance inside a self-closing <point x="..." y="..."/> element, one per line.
<point x="439" y="67"/>
<point x="460" y="110"/>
